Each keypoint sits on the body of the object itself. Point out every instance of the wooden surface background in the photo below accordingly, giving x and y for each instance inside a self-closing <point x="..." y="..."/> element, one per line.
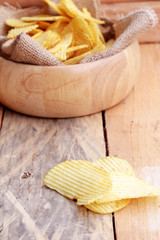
<point x="116" y="9"/>
<point x="28" y="144"/>
<point x="130" y="130"/>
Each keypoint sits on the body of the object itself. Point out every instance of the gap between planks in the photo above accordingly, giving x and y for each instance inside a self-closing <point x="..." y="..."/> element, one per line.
<point x="2" y="109"/>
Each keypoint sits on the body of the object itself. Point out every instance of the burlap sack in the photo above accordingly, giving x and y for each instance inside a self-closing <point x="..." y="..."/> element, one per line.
<point x="24" y="49"/>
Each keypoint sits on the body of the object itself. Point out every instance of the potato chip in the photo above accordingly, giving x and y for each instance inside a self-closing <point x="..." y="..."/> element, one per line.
<point x="115" y="165"/>
<point x="35" y="31"/>
<point x="82" y="32"/>
<point x="54" y="6"/>
<point x="17" y="23"/>
<point x="108" y="207"/>
<point x="61" y="55"/>
<point x="72" y="11"/>
<point x="73" y="49"/>
<point x="37" y="35"/>
<point x="65" y="42"/>
<point x="58" y="26"/>
<point x="43" y="25"/>
<point x="48" y="18"/>
<point x="77" y="59"/>
<point x="85" y="11"/>
<point x="42" y="40"/>
<point x="125" y="187"/>
<point x="13" y="33"/>
<point x="78" y="179"/>
<point x="118" y="166"/>
<point x="53" y="40"/>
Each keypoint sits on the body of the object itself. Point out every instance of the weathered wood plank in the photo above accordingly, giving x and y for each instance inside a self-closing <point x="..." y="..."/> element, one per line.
<point x="113" y="11"/>
<point x="35" y="145"/>
<point x="133" y="130"/>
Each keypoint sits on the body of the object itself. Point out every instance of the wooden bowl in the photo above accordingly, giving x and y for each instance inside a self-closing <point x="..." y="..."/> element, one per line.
<point x="69" y="91"/>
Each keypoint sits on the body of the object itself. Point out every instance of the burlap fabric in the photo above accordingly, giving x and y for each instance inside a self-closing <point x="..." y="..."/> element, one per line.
<point x="24" y="49"/>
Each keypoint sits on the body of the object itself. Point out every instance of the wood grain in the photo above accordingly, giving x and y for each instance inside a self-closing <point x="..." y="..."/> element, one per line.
<point x="69" y="91"/>
<point x="133" y="130"/>
<point x="35" y="145"/>
<point x="113" y="11"/>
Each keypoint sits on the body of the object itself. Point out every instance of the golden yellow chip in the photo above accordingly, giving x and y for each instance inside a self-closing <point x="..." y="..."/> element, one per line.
<point x="115" y="165"/>
<point x="13" y="33"/>
<point x="48" y="18"/>
<point x="58" y="26"/>
<point x="53" y="40"/>
<point x="61" y="55"/>
<point x="82" y="32"/>
<point x="78" y="180"/>
<point x="65" y="42"/>
<point x="118" y="166"/>
<point x="77" y="59"/>
<point x="125" y="187"/>
<point x="44" y="38"/>
<point x="73" y="49"/>
<point x="43" y="25"/>
<point x="17" y="23"/>
<point x="72" y="11"/>
<point x="85" y="11"/>
<point x="108" y="207"/>
<point x="35" y="31"/>
<point x="37" y="35"/>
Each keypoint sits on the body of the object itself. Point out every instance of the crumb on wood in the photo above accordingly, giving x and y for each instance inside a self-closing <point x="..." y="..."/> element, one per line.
<point x="26" y="175"/>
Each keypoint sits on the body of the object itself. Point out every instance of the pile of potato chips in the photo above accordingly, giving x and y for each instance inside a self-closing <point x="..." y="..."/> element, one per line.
<point x="103" y="186"/>
<point x="70" y="36"/>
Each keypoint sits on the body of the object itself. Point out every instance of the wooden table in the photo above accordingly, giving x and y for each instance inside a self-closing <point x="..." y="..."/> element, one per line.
<point x="130" y="130"/>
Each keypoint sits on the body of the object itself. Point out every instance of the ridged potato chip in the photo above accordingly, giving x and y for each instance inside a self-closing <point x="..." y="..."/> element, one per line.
<point x="77" y="59"/>
<point x="61" y="55"/>
<point x="103" y="186"/>
<point x="42" y="40"/>
<point x="118" y="166"/>
<point x="78" y="179"/>
<point x="82" y="32"/>
<point x="108" y="207"/>
<point x="85" y="11"/>
<point x="65" y="42"/>
<point x="17" y="23"/>
<point x="75" y="48"/>
<point x="35" y="31"/>
<point x="37" y="35"/>
<point x="125" y="187"/>
<point x="48" y="18"/>
<point x="43" y="25"/>
<point x="13" y="33"/>
<point x="72" y="11"/>
<point x="53" y="40"/>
